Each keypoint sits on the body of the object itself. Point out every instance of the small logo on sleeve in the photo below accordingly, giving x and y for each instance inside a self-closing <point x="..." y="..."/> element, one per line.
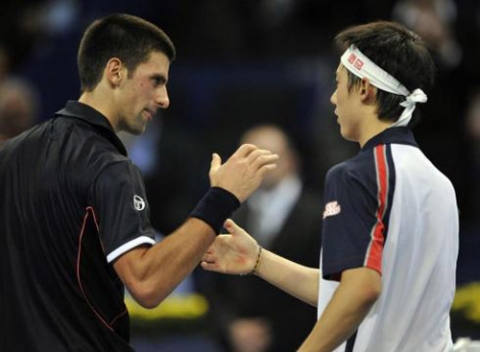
<point x="138" y="203"/>
<point x="332" y="209"/>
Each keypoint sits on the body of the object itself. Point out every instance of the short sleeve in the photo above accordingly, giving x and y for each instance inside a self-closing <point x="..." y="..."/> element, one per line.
<point x="354" y="228"/>
<point x="122" y="210"/>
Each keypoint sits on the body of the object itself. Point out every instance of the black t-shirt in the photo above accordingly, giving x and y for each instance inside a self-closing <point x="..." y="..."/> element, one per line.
<point x="71" y="203"/>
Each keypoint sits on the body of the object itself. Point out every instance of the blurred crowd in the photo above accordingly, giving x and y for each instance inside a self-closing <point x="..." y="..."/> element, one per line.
<point x="241" y="64"/>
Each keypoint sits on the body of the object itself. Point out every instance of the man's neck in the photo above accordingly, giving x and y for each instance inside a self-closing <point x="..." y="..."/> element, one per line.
<point x="373" y="130"/>
<point x="101" y="103"/>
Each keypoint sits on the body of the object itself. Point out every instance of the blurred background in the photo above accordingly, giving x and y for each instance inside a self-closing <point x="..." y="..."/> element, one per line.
<point x="243" y="63"/>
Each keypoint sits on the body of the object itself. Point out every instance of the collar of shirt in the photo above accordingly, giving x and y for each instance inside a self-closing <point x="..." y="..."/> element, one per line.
<point x="88" y="114"/>
<point x="396" y="135"/>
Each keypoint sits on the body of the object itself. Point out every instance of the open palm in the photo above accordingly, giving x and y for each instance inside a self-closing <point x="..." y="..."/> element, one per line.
<point x="233" y="253"/>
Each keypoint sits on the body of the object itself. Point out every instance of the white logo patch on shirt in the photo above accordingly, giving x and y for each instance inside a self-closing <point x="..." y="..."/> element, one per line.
<point x="332" y="209"/>
<point x="138" y="203"/>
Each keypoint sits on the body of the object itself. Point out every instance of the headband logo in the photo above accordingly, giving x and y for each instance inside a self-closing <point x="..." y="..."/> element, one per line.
<point x="358" y="64"/>
<point x="352" y="58"/>
<point x="355" y="61"/>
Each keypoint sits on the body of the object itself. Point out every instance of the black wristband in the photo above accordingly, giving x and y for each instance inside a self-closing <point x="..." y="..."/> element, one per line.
<point x="215" y="207"/>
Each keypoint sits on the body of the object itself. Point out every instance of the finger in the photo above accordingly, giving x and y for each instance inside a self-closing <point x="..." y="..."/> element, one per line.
<point x="215" y="163"/>
<point x="209" y="258"/>
<point x="210" y="249"/>
<point x="228" y="224"/>
<point x="255" y="154"/>
<point x="259" y="154"/>
<point x="208" y="266"/>
<point x="245" y="150"/>
<point x="264" y="160"/>
<point x="232" y="227"/>
<point x="266" y="168"/>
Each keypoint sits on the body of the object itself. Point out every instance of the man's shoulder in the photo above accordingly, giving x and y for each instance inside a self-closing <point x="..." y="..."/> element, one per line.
<point x="359" y="166"/>
<point x="82" y="149"/>
<point x="82" y="135"/>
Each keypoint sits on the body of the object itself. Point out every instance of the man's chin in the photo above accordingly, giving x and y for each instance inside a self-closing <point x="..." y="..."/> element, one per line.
<point x="136" y="130"/>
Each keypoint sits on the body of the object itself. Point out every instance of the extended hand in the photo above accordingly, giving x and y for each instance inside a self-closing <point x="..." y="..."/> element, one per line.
<point x="231" y="254"/>
<point x="243" y="172"/>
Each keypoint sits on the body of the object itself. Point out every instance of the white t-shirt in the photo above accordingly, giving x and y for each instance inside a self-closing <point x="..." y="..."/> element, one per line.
<point x="390" y="209"/>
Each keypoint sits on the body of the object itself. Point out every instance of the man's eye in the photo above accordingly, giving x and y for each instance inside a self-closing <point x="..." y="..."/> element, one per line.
<point x="158" y="81"/>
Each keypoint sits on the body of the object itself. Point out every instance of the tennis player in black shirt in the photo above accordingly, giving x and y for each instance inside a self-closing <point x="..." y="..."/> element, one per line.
<point x="74" y="216"/>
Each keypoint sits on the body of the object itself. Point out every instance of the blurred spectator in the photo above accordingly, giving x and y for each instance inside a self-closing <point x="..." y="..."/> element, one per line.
<point x="286" y="218"/>
<point x="19" y="105"/>
<point x="434" y="21"/>
<point x="28" y="29"/>
<point x="4" y="62"/>
<point x="468" y="33"/>
<point x="472" y="128"/>
<point x="19" y="30"/>
<point x="25" y="23"/>
<point x="473" y="121"/>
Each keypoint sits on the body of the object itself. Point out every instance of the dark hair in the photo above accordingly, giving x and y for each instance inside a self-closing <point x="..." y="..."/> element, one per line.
<point x="398" y="51"/>
<point x="127" y="37"/>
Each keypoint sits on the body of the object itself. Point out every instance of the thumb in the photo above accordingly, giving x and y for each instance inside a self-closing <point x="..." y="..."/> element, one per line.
<point x="215" y="163"/>
<point x="232" y="227"/>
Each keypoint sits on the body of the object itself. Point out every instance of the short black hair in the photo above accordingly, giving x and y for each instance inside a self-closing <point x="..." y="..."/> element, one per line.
<point x="127" y="37"/>
<point x="398" y="51"/>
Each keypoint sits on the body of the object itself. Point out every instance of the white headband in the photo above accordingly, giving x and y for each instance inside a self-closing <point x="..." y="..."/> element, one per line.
<point x="361" y="66"/>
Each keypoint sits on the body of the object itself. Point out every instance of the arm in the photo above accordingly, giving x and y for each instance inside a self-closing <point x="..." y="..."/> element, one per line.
<point x="295" y="279"/>
<point x="237" y="253"/>
<point x="358" y="290"/>
<point x="151" y="273"/>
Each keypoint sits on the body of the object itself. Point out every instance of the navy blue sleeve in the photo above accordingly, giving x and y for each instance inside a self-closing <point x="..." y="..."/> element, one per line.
<point x="353" y="232"/>
<point x="121" y="209"/>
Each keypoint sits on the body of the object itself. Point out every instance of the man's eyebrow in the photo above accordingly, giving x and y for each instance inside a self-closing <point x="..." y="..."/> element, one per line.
<point x="160" y="77"/>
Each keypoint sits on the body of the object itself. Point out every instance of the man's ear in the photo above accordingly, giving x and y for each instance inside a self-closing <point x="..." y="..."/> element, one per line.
<point x="367" y="91"/>
<point x="114" y="71"/>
